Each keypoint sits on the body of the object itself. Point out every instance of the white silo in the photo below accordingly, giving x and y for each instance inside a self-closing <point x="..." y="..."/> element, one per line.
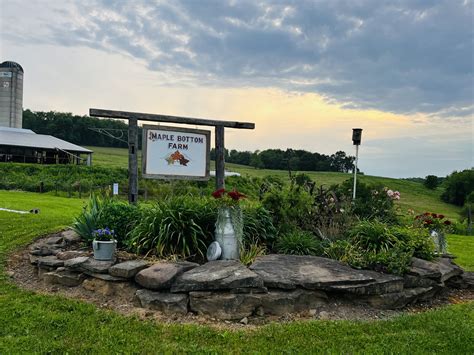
<point x="11" y="95"/>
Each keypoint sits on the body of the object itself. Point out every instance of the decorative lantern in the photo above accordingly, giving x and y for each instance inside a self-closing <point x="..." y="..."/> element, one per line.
<point x="356" y="135"/>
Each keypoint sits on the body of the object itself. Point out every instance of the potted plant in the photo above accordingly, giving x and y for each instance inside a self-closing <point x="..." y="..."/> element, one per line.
<point x="104" y="244"/>
<point x="229" y="224"/>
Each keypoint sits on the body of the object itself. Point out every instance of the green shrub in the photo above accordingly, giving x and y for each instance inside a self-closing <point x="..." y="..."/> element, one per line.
<point x="290" y="208"/>
<point x="372" y="201"/>
<point x="395" y="260"/>
<point x="258" y="225"/>
<point x="119" y="216"/>
<point x="372" y="236"/>
<point x="415" y="240"/>
<point x="182" y="226"/>
<point x="298" y="243"/>
<point x="377" y="246"/>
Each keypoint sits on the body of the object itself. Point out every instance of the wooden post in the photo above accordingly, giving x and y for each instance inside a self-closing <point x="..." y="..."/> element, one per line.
<point x="220" y="157"/>
<point x="132" y="160"/>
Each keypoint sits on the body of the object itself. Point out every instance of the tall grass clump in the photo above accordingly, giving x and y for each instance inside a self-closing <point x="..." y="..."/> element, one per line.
<point x="182" y="226"/>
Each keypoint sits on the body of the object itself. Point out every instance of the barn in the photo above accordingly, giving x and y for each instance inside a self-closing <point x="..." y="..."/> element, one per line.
<point x="25" y="146"/>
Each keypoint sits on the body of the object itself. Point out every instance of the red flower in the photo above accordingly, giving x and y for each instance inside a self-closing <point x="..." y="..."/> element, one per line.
<point x="426" y="214"/>
<point x="218" y="193"/>
<point x="428" y="221"/>
<point x="447" y="222"/>
<point x="441" y="216"/>
<point x="236" y="195"/>
<point x="434" y="215"/>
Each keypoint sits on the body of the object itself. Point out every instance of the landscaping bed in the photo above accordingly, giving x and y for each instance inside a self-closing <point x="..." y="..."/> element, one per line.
<point x="274" y="287"/>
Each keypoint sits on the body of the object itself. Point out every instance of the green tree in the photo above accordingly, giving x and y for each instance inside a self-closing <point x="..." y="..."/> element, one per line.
<point x="458" y="186"/>
<point x="431" y="182"/>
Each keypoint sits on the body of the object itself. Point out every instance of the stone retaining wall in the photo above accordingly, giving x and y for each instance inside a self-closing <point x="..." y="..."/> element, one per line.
<point x="272" y="285"/>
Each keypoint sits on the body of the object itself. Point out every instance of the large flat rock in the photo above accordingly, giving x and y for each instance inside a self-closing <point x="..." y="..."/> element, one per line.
<point x="75" y="263"/>
<point x="128" y="269"/>
<point x="310" y="272"/>
<point x="217" y="275"/>
<point x="229" y="306"/>
<point x="396" y="300"/>
<point x="441" y="269"/>
<point x="161" y="276"/>
<point x="88" y="265"/>
<point x="279" y="303"/>
<point x="383" y="283"/>
<point x="167" y="303"/>
<point x="64" y="277"/>
<point x="49" y="261"/>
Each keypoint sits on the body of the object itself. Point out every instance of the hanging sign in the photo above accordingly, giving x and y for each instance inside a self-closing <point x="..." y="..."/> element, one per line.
<point x="175" y="153"/>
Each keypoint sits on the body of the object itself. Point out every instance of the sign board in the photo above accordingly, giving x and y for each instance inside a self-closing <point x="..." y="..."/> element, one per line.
<point x="5" y="74"/>
<point x="175" y="153"/>
<point x="115" y="188"/>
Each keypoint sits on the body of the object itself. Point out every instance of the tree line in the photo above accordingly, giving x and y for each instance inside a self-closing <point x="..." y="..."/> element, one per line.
<point x="77" y="129"/>
<point x="290" y="159"/>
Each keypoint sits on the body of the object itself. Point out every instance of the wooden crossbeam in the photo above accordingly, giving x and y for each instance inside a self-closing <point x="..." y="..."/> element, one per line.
<point x="94" y="112"/>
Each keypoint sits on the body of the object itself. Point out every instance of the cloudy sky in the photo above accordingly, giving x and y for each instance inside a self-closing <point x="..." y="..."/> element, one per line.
<point x="306" y="72"/>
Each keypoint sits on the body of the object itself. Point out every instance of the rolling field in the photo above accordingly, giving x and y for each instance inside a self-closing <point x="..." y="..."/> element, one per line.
<point x="413" y="195"/>
<point x="37" y="323"/>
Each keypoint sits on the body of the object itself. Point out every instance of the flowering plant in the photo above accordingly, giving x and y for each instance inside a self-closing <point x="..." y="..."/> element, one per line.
<point x="103" y="234"/>
<point x="394" y="195"/>
<point x="433" y="221"/>
<point x="228" y="198"/>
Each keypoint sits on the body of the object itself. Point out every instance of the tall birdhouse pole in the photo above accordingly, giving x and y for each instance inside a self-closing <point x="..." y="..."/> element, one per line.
<point x="356" y="139"/>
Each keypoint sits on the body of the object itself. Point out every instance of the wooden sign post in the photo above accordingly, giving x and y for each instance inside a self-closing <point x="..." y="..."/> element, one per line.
<point x="134" y="117"/>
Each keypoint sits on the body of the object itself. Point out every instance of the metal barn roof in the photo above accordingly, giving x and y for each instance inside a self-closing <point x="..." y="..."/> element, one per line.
<point x="27" y="138"/>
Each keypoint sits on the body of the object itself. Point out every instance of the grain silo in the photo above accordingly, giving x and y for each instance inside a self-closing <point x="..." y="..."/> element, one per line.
<point x="11" y="95"/>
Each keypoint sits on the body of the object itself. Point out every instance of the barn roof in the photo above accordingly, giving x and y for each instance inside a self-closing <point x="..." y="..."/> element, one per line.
<point x="27" y="138"/>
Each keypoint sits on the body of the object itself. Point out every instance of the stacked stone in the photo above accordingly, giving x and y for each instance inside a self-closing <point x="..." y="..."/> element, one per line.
<point x="272" y="285"/>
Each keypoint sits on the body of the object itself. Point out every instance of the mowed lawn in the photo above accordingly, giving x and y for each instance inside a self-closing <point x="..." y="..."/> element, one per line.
<point x="413" y="194"/>
<point x="37" y="323"/>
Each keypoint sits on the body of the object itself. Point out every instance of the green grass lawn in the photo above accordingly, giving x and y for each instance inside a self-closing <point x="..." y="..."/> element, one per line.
<point x="413" y="195"/>
<point x="41" y="323"/>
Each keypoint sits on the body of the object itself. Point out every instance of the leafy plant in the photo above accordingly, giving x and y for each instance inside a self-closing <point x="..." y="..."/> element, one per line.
<point x="395" y="260"/>
<point x="258" y="225"/>
<point x="249" y="252"/>
<point x="415" y="240"/>
<point x="119" y="216"/>
<point x="372" y="236"/>
<point x="88" y="221"/>
<point x="181" y="226"/>
<point x="298" y="243"/>
<point x="372" y="201"/>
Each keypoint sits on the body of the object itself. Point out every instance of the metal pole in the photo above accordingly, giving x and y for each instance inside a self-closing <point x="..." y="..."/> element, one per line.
<point x="355" y="173"/>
